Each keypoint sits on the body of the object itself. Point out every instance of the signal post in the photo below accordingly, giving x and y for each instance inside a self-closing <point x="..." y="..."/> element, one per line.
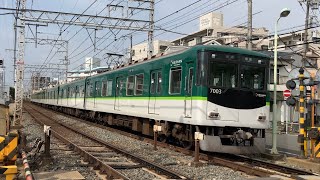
<point x="291" y="101"/>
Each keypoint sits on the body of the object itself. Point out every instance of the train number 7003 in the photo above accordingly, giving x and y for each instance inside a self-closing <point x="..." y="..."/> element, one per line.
<point x="215" y="91"/>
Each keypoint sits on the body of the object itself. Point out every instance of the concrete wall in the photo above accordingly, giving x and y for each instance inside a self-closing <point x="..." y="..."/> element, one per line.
<point x="285" y="142"/>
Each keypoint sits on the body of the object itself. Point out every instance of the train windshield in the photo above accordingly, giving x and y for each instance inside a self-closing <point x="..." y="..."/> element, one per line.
<point x="223" y="74"/>
<point x="232" y="71"/>
<point x="252" y="77"/>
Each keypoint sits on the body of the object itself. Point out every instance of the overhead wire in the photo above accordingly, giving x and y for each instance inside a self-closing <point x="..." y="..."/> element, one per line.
<point x="224" y="5"/>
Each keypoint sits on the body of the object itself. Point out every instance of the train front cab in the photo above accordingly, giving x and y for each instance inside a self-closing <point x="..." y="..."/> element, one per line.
<point x="237" y="110"/>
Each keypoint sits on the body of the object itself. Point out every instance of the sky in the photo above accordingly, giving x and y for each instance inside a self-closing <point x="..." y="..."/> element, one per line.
<point x="80" y="45"/>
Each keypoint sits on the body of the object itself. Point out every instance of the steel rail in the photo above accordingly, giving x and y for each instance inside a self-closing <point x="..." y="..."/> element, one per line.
<point x="141" y="160"/>
<point x="104" y="168"/>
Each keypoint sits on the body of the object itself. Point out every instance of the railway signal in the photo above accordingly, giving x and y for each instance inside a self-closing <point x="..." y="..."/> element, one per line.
<point x="290" y="100"/>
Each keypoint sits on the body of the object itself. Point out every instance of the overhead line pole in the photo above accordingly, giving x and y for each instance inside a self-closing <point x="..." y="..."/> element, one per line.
<point x="19" y="68"/>
<point x="151" y="29"/>
<point x="306" y="33"/>
<point x="249" y="34"/>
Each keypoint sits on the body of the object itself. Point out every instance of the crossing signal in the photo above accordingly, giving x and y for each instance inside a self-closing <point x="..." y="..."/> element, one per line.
<point x="1" y="62"/>
<point x="291" y="84"/>
<point x="291" y="101"/>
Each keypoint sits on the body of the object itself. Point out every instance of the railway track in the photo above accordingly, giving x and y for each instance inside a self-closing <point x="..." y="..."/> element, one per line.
<point x="109" y="159"/>
<point x="255" y="167"/>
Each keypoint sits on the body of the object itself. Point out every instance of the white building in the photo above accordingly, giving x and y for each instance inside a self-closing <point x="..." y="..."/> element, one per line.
<point x="91" y="63"/>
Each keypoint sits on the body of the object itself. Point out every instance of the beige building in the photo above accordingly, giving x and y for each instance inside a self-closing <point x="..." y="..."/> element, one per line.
<point x="140" y="51"/>
<point x="211" y="27"/>
<point x="295" y="42"/>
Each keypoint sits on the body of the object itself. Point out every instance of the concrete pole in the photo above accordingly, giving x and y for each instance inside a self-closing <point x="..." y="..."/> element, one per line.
<point x="249" y="34"/>
<point x="306" y="26"/>
<point x="275" y="73"/>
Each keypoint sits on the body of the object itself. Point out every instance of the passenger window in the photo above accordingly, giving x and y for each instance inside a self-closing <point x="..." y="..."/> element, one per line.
<point x="81" y="91"/>
<point x="104" y="88"/>
<point x="109" y="88"/>
<point x="130" y="85"/>
<point x="89" y="89"/>
<point x="159" y="82"/>
<point x="175" y="81"/>
<point x="153" y="84"/>
<point x="139" y="84"/>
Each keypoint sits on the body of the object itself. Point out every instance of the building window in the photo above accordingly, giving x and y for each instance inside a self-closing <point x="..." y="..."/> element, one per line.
<point x="130" y="85"/>
<point x="163" y="48"/>
<point x="139" y="84"/>
<point x="175" y="80"/>
<point x="310" y="63"/>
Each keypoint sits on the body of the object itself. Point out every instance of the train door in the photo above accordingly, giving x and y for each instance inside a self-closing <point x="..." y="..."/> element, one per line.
<point x="155" y="91"/>
<point x="119" y="88"/>
<point x="189" y="80"/>
<point x="97" y="93"/>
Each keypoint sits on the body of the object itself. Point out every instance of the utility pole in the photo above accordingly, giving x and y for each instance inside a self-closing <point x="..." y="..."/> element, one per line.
<point x="131" y="51"/>
<point x="151" y="29"/>
<point x="19" y="68"/>
<point x="306" y="26"/>
<point x="249" y="34"/>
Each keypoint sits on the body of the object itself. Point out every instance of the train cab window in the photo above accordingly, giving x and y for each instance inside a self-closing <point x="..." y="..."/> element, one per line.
<point x="175" y="80"/>
<point x="139" y="84"/>
<point x="252" y="77"/>
<point x="130" y="85"/>
<point x="222" y="74"/>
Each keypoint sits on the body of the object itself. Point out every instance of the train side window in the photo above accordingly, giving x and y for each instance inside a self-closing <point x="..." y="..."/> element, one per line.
<point x="77" y="91"/>
<point x="89" y="90"/>
<point x="109" y="89"/>
<point x="130" y="85"/>
<point x="175" y="80"/>
<point x="104" y="88"/>
<point x="139" y="84"/>
<point x="153" y="83"/>
<point x="159" y="82"/>
<point x="81" y="91"/>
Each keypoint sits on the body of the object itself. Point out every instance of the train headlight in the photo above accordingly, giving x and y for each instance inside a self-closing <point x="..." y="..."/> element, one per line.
<point x="214" y="115"/>
<point x="262" y="118"/>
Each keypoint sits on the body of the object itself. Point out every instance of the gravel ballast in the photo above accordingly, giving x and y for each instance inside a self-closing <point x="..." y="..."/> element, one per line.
<point x="172" y="160"/>
<point x="62" y="158"/>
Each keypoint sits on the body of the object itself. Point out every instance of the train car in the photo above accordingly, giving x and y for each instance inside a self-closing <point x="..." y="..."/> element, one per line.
<point x="217" y="90"/>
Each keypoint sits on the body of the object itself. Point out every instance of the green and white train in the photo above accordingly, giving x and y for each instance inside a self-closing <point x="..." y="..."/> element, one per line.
<point x="217" y="90"/>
